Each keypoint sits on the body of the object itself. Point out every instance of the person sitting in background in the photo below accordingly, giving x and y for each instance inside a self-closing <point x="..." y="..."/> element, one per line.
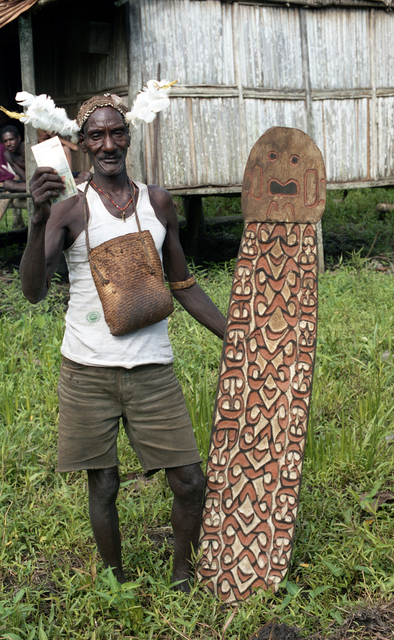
<point x="5" y="173"/>
<point x="7" y="176"/>
<point x="15" y="159"/>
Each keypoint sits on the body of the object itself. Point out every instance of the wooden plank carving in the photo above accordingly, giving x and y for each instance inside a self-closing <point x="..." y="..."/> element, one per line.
<point x="265" y="381"/>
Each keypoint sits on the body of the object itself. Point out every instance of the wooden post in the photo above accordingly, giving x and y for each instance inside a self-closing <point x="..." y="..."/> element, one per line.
<point x="310" y="125"/>
<point x="194" y="214"/>
<point x="136" y="159"/>
<point x="28" y="84"/>
<point x="320" y="247"/>
<point x="373" y="124"/>
<point x="238" y="79"/>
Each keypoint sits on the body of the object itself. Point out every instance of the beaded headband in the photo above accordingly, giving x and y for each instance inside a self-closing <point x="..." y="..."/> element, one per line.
<point x="107" y="100"/>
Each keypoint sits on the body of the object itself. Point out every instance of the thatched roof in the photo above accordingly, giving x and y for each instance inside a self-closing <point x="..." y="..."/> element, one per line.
<point x="11" y="9"/>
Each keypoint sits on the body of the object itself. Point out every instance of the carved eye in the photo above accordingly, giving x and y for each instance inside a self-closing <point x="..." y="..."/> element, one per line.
<point x="294" y="160"/>
<point x="272" y="156"/>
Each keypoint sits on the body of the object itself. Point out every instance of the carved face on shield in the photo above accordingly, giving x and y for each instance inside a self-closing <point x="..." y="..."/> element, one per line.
<point x="285" y="179"/>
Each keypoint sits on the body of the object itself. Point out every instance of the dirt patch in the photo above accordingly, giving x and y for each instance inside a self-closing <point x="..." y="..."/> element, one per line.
<point x="369" y="623"/>
<point x="365" y="623"/>
<point x="274" y="631"/>
<point x="159" y="535"/>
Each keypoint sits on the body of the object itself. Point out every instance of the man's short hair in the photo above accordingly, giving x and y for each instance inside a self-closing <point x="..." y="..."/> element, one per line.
<point x="97" y="102"/>
<point x="9" y="128"/>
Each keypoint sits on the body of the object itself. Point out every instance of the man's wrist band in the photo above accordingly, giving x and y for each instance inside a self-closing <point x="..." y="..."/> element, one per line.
<point x="184" y="284"/>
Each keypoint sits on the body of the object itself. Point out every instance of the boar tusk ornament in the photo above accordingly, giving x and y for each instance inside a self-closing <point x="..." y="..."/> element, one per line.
<point x="265" y="381"/>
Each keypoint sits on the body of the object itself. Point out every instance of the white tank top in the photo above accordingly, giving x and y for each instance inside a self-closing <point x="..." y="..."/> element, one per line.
<point x="87" y="339"/>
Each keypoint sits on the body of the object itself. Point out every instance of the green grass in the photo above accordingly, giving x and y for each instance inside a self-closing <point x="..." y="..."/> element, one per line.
<point x="53" y="584"/>
<point x="6" y="221"/>
<point x="351" y="223"/>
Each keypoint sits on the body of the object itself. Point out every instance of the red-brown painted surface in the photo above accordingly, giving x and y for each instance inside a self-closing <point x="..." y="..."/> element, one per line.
<point x="265" y="381"/>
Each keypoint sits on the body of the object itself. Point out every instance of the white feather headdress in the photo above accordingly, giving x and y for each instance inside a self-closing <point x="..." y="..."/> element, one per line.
<point x="42" y="112"/>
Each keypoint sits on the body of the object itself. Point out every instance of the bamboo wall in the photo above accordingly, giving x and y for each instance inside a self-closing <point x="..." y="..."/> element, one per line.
<point x="66" y="66"/>
<point x="241" y="67"/>
<point x="244" y="67"/>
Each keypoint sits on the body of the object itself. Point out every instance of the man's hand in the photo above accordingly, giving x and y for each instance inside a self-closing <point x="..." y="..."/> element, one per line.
<point x="38" y="261"/>
<point x="45" y="185"/>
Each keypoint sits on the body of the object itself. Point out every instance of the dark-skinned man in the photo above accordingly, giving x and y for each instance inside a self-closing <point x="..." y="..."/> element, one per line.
<point x="103" y="377"/>
<point x="15" y="156"/>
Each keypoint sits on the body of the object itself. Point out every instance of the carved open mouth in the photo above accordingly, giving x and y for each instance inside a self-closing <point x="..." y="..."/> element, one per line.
<point x="290" y="188"/>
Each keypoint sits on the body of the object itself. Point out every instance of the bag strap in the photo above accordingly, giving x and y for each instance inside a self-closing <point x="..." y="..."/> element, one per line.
<point x="142" y="239"/>
<point x="86" y="212"/>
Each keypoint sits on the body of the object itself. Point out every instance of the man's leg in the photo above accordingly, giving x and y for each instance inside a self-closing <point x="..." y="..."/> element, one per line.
<point x="103" y="490"/>
<point x="187" y="484"/>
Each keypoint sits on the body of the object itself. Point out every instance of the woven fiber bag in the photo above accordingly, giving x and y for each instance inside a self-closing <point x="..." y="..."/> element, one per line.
<point x="128" y="275"/>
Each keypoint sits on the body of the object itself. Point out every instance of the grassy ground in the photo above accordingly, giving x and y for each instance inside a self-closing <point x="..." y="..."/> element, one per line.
<point x="53" y="584"/>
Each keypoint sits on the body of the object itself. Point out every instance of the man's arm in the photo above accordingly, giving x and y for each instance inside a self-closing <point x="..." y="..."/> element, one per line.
<point x="15" y="166"/>
<point x="200" y="306"/>
<point x="194" y="299"/>
<point x="46" y="237"/>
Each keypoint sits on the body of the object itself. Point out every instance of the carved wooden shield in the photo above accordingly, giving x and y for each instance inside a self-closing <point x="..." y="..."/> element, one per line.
<point x="265" y="380"/>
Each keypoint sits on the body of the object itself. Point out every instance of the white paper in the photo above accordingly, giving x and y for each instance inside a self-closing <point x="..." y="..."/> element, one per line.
<point x="50" y="153"/>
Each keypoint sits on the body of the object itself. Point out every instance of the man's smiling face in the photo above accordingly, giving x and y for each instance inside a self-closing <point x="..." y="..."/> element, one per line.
<point x="106" y="139"/>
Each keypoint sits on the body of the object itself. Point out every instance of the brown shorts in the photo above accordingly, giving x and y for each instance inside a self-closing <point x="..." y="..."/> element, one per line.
<point x="149" y="400"/>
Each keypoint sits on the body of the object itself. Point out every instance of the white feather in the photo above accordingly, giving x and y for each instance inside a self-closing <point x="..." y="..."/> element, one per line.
<point x="42" y="113"/>
<point x="152" y="99"/>
<point x="24" y="98"/>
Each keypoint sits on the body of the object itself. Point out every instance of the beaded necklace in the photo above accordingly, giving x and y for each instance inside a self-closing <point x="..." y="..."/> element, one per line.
<point x="122" y="210"/>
